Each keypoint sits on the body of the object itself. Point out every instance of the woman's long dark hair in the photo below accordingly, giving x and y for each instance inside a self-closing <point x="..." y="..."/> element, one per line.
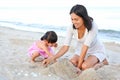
<point x="81" y="11"/>
<point x="50" y="36"/>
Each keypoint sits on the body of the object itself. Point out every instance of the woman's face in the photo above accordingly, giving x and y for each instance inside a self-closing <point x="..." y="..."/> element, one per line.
<point x="77" y="20"/>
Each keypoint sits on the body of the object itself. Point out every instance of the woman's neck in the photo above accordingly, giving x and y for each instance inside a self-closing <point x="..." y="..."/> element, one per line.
<point x="81" y="28"/>
<point x="81" y="32"/>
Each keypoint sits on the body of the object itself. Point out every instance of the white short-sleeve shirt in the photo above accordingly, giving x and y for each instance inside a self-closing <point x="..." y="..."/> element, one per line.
<point x="89" y="39"/>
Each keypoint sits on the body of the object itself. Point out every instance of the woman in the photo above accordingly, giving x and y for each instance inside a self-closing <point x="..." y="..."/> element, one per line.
<point x="89" y="50"/>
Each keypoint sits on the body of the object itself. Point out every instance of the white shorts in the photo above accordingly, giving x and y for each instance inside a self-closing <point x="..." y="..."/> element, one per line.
<point x="100" y="56"/>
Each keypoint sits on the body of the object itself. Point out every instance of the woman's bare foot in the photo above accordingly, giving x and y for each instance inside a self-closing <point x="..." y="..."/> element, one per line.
<point x="98" y="65"/>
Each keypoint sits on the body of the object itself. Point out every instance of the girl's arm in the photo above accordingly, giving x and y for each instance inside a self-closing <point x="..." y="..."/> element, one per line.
<point x="82" y="56"/>
<point x="43" y="46"/>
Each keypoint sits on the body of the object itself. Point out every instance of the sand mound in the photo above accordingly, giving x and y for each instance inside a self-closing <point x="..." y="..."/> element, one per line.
<point x="62" y="68"/>
<point x="65" y="70"/>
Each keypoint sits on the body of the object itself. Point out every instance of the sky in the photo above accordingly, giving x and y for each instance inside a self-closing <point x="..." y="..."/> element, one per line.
<point x="57" y="11"/>
<point x="53" y="3"/>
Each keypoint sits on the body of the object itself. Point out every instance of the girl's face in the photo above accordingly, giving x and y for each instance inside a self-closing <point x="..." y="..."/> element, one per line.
<point x="52" y="44"/>
<point x="77" y="20"/>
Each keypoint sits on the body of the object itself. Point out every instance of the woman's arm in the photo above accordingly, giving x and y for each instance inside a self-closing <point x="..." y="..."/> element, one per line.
<point x="82" y="56"/>
<point x="92" y="35"/>
<point x="61" y="52"/>
<point x="64" y="48"/>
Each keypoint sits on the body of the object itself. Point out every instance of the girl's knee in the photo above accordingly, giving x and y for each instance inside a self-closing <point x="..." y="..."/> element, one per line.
<point x="35" y="54"/>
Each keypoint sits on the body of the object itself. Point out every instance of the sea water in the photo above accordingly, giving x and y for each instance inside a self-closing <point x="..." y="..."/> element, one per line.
<point x="58" y="19"/>
<point x="106" y="35"/>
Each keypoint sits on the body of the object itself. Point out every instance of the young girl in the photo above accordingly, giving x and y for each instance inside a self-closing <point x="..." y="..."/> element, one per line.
<point x="44" y="46"/>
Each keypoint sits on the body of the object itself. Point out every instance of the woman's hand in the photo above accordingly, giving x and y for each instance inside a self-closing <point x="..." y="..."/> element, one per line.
<point x="48" y="61"/>
<point x="79" y="65"/>
<point x="80" y="62"/>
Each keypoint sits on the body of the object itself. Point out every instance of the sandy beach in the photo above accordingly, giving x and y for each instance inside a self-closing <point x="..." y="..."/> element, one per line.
<point x="15" y="65"/>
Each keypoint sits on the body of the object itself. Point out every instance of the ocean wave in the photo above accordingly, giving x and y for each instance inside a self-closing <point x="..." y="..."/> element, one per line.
<point x="107" y="35"/>
<point x="111" y="33"/>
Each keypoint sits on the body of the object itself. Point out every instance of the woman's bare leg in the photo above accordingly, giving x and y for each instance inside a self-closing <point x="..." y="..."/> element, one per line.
<point x="99" y="65"/>
<point x="105" y="62"/>
<point x="90" y="62"/>
<point x="74" y="60"/>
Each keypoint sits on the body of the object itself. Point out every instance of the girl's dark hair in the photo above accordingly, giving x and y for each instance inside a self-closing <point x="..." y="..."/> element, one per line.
<point x="81" y="11"/>
<point x="50" y="36"/>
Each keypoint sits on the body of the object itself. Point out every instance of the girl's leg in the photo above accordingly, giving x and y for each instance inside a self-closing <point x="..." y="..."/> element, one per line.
<point x="34" y="55"/>
<point x="90" y="62"/>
